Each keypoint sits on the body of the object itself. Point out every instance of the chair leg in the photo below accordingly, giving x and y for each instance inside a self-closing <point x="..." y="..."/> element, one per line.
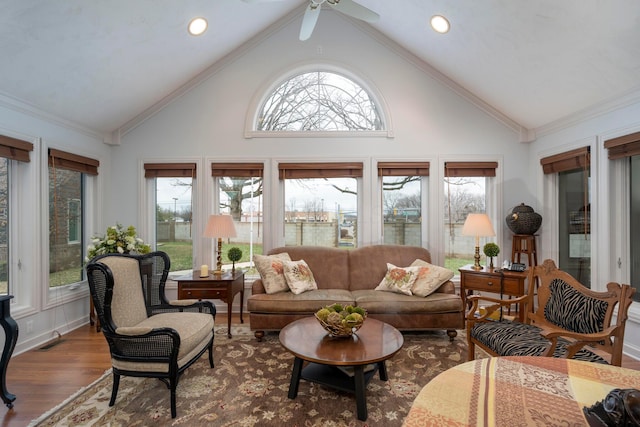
<point x="211" y="354"/>
<point x="174" y="384"/>
<point x="471" y="352"/>
<point x="114" y="389"/>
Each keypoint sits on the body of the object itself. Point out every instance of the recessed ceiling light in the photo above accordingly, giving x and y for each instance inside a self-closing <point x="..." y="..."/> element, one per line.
<point x="440" y="24"/>
<point x="197" y="26"/>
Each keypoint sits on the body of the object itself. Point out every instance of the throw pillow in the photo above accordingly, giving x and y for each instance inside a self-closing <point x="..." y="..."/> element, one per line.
<point x="299" y="276"/>
<point x="398" y="279"/>
<point x="430" y="277"/>
<point x="271" y="271"/>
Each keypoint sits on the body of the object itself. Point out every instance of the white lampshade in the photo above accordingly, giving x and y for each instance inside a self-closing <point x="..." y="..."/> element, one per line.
<point x="220" y="226"/>
<point x="478" y="225"/>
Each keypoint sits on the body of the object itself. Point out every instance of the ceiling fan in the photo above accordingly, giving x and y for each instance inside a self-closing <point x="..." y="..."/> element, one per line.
<point x="348" y="7"/>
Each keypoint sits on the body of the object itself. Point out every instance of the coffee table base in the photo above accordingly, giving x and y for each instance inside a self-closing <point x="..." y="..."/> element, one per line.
<point x="331" y="376"/>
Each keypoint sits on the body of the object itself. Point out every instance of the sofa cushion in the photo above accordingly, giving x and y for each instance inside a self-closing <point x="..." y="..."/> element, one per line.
<point x="271" y="269"/>
<point x="368" y="264"/>
<point x="430" y="278"/>
<point x="398" y="279"/>
<point x="299" y="276"/>
<point x="330" y="266"/>
<point x="389" y="302"/>
<point x="307" y="302"/>
<point x="195" y="330"/>
<point x="519" y="339"/>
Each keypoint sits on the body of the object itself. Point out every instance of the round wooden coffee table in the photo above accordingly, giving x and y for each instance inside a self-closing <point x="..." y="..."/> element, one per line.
<point x="346" y="364"/>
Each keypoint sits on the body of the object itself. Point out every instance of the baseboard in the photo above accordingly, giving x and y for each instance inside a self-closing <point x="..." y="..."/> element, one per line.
<point x="48" y="336"/>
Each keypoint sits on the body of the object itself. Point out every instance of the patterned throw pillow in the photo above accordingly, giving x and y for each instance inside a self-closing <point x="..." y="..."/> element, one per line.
<point x="430" y="278"/>
<point x="299" y="276"/>
<point x="271" y="271"/>
<point x="398" y="279"/>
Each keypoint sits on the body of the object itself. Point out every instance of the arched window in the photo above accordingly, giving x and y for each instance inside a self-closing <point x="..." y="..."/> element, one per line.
<point x="319" y="101"/>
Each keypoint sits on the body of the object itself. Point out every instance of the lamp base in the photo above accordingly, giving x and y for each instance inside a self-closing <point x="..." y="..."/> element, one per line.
<point x="476" y="258"/>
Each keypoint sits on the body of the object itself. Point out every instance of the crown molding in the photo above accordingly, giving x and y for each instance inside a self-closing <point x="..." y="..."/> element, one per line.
<point x="601" y="108"/>
<point x="20" y="106"/>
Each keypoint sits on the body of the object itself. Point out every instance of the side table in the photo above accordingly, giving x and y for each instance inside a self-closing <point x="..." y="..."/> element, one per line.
<point x="504" y="282"/>
<point x="223" y="286"/>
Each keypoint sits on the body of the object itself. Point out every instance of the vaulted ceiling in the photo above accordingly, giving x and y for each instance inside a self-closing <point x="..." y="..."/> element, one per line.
<point x="101" y="63"/>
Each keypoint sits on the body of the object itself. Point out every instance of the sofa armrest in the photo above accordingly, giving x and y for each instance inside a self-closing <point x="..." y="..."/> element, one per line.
<point x="447" y="287"/>
<point x="258" y="287"/>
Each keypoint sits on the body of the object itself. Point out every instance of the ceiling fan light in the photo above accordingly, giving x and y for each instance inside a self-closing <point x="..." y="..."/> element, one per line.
<point x="197" y="26"/>
<point x="440" y="24"/>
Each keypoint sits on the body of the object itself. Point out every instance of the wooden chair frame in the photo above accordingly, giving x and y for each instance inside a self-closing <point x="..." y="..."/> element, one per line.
<point x="609" y="339"/>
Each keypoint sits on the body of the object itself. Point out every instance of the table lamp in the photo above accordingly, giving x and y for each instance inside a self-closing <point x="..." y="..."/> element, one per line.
<point x="220" y="226"/>
<point x="478" y="225"/>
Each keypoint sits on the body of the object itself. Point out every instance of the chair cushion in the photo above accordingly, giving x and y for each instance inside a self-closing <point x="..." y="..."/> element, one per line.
<point x="195" y="330"/>
<point x="508" y="338"/>
<point x="574" y="311"/>
<point x="127" y="305"/>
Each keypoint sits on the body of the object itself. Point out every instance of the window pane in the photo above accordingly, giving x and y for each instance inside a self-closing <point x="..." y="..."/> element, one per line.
<point x="462" y="197"/>
<point x="319" y="101"/>
<point x="402" y="209"/>
<point x="174" y="221"/>
<point x="4" y="226"/>
<point x="65" y="255"/>
<point x="241" y="197"/>
<point x="321" y="212"/>
<point x="574" y="215"/>
<point x="634" y="220"/>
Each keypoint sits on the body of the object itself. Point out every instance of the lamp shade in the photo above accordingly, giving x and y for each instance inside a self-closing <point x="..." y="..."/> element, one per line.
<point x="220" y="226"/>
<point x="478" y="225"/>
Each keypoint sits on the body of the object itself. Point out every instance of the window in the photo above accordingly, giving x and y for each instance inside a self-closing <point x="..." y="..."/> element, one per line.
<point x="625" y="152"/>
<point x="173" y="211"/>
<point x="11" y="150"/>
<point x="574" y="211"/>
<point x="466" y="190"/>
<point x="74" y="218"/>
<point x="240" y="192"/>
<point x="66" y="190"/>
<point x="321" y="203"/>
<point x="319" y="101"/>
<point x="402" y="201"/>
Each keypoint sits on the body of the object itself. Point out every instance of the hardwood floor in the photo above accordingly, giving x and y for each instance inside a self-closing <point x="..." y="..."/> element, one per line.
<point x="41" y="379"/>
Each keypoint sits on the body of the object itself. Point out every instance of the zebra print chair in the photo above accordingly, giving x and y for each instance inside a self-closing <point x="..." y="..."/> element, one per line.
<point x="570" y="321"/>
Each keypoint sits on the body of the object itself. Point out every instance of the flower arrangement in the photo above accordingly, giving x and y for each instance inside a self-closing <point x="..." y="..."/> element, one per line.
<point x="117" y="240"/>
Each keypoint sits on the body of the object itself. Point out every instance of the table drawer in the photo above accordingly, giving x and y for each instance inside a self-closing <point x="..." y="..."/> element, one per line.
<point x="492" y="284"/>
<point x="188" y="293"/>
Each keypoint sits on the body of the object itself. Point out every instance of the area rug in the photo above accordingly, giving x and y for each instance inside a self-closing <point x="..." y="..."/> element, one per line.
<point x="249" y="385"/>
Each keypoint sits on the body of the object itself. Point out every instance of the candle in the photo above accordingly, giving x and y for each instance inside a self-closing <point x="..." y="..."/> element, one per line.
<point x="204" y="270"/>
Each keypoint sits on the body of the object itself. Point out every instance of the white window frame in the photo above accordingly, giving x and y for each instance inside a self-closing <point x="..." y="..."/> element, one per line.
<point x="265" y="91"/>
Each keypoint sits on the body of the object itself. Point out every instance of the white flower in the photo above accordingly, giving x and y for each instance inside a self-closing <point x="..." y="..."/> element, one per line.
<point x="120" y="250"/>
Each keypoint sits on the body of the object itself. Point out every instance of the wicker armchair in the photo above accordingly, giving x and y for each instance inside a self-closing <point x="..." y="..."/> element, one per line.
<point x="147" y="337"/>
<point x="570" y="321"/>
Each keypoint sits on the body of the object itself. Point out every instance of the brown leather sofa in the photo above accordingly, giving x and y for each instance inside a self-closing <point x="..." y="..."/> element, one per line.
<point x="350" y="276"/>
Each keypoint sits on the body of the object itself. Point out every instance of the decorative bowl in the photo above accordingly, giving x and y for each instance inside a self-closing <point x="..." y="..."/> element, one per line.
<point x="341" y="321"/>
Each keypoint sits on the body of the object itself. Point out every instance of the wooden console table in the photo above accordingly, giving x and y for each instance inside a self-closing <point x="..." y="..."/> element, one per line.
<point x="223" y="286"/>
<point x="11" y="337"/>
<point x="495" y="281"/>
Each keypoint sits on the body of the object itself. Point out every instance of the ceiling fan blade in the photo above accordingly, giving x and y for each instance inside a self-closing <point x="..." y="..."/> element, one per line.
<point x="351" y="8"/>
<point x="309" y="21"/>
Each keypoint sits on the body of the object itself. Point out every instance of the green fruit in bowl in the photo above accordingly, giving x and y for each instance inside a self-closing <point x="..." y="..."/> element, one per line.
<point x="323" y="313"/>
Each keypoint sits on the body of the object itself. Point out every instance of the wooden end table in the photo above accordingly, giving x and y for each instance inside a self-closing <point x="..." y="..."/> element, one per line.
<point x="374" y="343"/>
<point x="223" y="286"/>
<point x="495" y="281"/>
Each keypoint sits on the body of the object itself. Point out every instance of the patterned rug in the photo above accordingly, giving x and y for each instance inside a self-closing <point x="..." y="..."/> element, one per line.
<point x="249" y="385"/>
